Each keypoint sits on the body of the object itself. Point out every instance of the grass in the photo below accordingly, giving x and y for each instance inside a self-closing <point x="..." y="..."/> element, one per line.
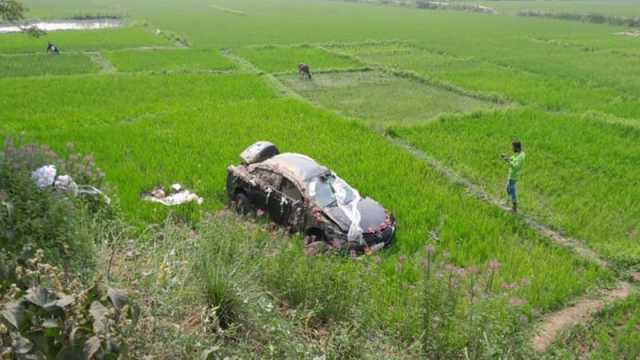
<point x="526" y="86"/>
<point x="149" y="128"/>
<point x="92" y="101"/>
<point x="275" y="59"/>
<point x="364" y="95"/>
<point x="138" y="155"/>
<point x="565" y="183"/>
<point x="85" y="40"/>
<point x="168" y="60"/>
<point x="44" y="64"/>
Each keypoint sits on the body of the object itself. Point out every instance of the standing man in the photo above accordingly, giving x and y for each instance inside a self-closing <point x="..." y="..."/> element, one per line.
<point x="515" y="163"/>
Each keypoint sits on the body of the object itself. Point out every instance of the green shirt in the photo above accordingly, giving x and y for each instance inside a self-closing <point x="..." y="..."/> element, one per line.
<point x="515" y="165"/>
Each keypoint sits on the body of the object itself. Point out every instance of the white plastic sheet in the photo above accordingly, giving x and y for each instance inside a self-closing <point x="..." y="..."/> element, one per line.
<point x="44" y="176"/>
<point x="47" y="177"/>
<point x="178" y="196"/>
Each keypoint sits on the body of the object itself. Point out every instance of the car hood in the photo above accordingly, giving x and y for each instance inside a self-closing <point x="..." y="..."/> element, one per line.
<point x="372" y="215"/>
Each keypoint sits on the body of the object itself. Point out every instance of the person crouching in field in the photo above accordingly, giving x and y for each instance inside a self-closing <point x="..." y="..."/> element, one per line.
<point x="304" y="71"/>
<point x="52" y="49"/>
<point x="515" y="163"/>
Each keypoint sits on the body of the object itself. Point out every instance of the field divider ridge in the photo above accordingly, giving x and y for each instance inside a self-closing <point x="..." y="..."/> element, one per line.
<point x="106" y="67"/>
<point x="488" y="97"/>
<point x="247" y="67"/>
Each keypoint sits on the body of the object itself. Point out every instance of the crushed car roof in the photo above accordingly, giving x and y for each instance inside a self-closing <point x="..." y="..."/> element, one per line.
<point x="302" y="167"/>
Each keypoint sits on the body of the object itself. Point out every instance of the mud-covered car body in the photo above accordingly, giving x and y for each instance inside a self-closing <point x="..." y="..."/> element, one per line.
<point x="298" y="193"/>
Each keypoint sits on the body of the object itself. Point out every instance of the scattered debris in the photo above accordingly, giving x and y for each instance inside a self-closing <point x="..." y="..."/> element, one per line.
<point x="47" y="177"/>
<point x="177" y="195"/>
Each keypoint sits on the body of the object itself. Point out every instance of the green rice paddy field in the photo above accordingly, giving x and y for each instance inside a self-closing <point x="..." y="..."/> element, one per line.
<point x="458" y="86"/>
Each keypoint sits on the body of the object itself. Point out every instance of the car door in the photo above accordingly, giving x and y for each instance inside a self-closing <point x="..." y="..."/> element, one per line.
<point x="264" y="188"/>
<point x="292" y="205"/>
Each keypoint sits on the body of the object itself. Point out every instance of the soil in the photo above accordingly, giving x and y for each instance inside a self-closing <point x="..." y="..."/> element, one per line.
<point x="579" y="313"/>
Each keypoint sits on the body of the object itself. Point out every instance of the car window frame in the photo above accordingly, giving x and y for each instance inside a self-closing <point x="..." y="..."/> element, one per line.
<point x="295" y="186"/>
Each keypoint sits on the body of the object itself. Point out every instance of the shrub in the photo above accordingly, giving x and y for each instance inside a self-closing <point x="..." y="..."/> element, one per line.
<point x="51" y="320"/>
<point x="43" y="218"/>
<point x="463" y="316"/>
<point x="326" y="283"/>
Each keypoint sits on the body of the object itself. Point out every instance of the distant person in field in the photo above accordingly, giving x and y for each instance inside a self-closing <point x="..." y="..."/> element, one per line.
<point x="304" y="71"/>
<point x="52" y="49"/>
<point x="515" y="163"/>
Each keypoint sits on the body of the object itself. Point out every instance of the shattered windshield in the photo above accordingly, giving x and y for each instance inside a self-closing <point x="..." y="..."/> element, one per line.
<point x="330" y="191"/>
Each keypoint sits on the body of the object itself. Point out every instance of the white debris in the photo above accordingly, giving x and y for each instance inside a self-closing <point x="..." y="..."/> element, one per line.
<point x="178" y="196"/>
<point x="44" y="176"/>
<point x="66" y="184"/>
<point x="347" y="200"/>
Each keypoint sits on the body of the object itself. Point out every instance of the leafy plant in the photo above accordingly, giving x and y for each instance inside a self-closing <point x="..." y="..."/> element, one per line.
<point x="53" y="320"/>
<point x="45" y="218"/>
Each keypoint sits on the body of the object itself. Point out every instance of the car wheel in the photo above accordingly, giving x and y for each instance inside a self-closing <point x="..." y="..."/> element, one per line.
<point x="242" y="204"/>
<point x="313" y="235"/>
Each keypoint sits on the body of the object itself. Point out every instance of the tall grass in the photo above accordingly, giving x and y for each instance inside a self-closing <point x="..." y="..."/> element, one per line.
<point x="274" y="59"/>
<point x="75" y="41"/>
<point x="589" y="197"/>
<point x="168" y="60"/>
<point x="43" y="64"/>
<point x="523" y="83"/>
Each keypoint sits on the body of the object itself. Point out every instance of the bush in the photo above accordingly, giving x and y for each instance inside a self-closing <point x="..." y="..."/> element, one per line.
<point x="463" y="316"/>
<point x="42" y="218"/>
<point x="49" y="319"/>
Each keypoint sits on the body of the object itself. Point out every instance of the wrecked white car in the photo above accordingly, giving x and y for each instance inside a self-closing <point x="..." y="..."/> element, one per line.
<point x="298" y="193"/>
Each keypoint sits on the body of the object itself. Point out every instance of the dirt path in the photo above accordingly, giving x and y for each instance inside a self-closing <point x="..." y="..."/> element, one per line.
<point x="581" y="312"/>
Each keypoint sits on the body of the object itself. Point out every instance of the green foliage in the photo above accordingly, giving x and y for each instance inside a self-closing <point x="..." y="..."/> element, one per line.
<point x="520" y="79"/>
<point x="43" y="218"/>
<point x="86" y="40"/>
<point x="157" y="129"/>
<point x="11" y="11"/>
<point x="169" y="60"/>
<point x="560" y="158"/>
<point x="463" y="312"/>
<point x="44" y="64"/>
<point x="329" y="285"/>
<point x="240" y="111"/>
<point x="363" y="95"/>
<point x="51" y="320"/>
<point x="275" y="59"/>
